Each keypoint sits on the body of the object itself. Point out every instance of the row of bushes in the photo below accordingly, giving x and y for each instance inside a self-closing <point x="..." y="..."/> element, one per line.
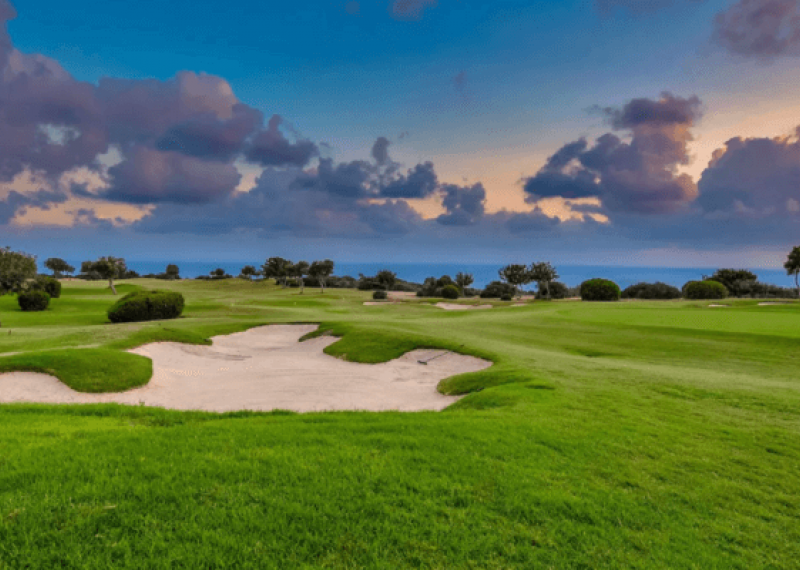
<point x="605" y="290"/>
<point x="37" y="298"/>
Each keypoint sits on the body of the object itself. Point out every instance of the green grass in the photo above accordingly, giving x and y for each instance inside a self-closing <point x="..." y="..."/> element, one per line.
<point x="608" y="435"/>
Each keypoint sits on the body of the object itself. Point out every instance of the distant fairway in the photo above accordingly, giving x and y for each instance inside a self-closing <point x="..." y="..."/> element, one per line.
<point x="606" y="435"/>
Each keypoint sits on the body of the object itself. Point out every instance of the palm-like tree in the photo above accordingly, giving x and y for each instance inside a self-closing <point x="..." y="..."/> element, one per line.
<point x="792" y="266"/>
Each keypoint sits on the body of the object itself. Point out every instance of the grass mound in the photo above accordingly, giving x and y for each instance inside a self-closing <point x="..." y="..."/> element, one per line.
<point x="85" y="370"/>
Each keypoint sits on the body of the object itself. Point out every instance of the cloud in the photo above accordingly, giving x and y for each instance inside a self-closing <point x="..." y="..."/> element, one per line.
<point x="353" y="7"/>
<point x="460" y="81"/>
<point x="464" y="205"/>
<point x="419" y="182"/>
<point x="755" y="177"/>
<point x="763" y="29"/>
<point x="411" y="9"/>
<point x="380" y="150"/>
<point x="637" y="176"/>
<point x="16" y="202"/>
<point x="271" y="148"/>
<point x="149" y="176"/>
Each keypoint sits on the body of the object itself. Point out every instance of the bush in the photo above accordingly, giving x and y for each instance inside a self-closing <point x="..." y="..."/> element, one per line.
<point x="450" y="292"/>
<point x="600" y="290"/>
<point x="49" y="285"/>
<point x="146" y="306"/>
<point x="379" y="295"/>
<point x="558" y="290"/>
<point x="504" y="297"/>
<point x="704" y="290"/>
<point x="33" y="300"/>
<point x="497" y="290"/>
<point x="656" y="290"/>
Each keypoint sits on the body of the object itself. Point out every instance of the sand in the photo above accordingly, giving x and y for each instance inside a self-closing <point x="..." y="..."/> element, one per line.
<point x="265" y="368"/>
<point x="713" y="306"/>
<point x="772" y="303"/>
<point x="456" y="307"/>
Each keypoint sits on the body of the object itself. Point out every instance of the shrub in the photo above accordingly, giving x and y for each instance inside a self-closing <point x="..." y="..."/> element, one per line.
<point x="33" y="300"/>
<point x="379" y="295"/>
<point x="656" y="290"/>
<point x="47" y="284"/>
<point x="704" y="290"/>
<point x="600" y="290"/>
<point x="505" y="297"/>
<point x="146" y="306"/>
<point x="558" y="290"/>
<point x="497" y="290"/>
<point x="450" y="292"/>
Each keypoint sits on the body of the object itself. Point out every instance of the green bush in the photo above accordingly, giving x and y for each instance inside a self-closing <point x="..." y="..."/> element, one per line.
<point x="33" y="300"/>
<point x="505" y="297"/>
<point x="497" y="290"/>
<point x="379" y="295"/>
<point x="600" y="290"/>
<point x="704" y="290"/>
<point x="146" y="306"/>
<point x="49" y="285"/>
<point x="656" y="290"/>
<point x="450" y="292"/>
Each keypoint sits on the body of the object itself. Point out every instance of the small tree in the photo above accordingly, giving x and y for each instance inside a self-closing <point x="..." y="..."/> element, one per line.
<point x="108" y="268"/>
<point x="277" y="268"/>
<point x="543" y="273"/>
<point x="248" y="272"/>
<point x="321" y="270"/>
<point x="58" y="266"/>
<point x="464" y="280"/>
<point x="172" y="272"/>
<point x="792" y="266"/>
<point x="386" y="278"/>
<point x="299" y="270"/>
<point x="515" y="275"/>
<point x="737" y="281"/>
<point x="16" y="270"/>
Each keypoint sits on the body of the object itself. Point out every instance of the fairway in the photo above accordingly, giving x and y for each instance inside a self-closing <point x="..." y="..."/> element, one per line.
<point x="605" y="435"/>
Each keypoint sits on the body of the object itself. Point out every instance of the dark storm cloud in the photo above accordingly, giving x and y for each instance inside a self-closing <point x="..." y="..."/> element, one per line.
<point x="757" y="177"/>
<point x="411" y="9"/>
<point x="637" y="176"/>
<point x="465" y="205"/>
<point x="760" y="28"/>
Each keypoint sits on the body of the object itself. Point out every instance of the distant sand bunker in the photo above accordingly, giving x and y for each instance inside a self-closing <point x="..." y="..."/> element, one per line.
<point x="265" y="368"/>
<point x="456" y="307"/>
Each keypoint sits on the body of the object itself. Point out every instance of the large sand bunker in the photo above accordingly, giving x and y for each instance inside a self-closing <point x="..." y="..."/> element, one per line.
<point x="265" y="368"/>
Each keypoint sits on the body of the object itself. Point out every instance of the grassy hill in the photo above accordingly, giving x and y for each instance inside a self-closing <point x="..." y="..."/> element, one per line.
<point x="623" y="435"/>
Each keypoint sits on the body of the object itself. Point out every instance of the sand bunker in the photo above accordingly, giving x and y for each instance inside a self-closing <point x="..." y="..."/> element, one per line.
<point x="265" y="368"/>
<point x="713" y="306"/>
<point x="456" y="307"/>
<point x="772" y="303"/>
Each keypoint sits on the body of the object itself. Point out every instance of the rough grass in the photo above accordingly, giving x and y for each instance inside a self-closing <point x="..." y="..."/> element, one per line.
<point x="613" y="435"/>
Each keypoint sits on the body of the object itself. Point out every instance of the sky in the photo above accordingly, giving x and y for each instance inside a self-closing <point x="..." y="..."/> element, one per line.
<point x="619" y="132"/>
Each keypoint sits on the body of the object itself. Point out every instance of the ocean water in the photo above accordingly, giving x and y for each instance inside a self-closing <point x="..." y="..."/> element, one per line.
<point x="572" y="275"/>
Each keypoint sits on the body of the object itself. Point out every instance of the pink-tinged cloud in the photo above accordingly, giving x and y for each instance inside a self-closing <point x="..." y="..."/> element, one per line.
<point x="763" y="29"/>
<point x="270" y="147"/>
<point x="149" y="176"/>
<point x="637" y="176"/>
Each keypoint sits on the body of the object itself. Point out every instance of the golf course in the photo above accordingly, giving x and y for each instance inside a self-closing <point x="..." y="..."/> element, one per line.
<point x="634" y="434"/>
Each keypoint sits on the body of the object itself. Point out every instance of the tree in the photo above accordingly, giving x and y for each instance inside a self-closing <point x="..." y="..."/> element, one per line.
<point x="108" y="268"/>
<point x="299" y="270"/>
<point x="58" y="266"/>
<point x="321" y="270"/>
<point x="248" y="272"/>
<point x="792" y="266"/>
<point x="464" y="280"/>
<point x="736" y="281"/>
<point x="386" y="278"/>
<point x="172" y="272"/>
<point x="277" y="268"/>
<point x="515" y="275"/>
<point x="16" y="270"/>
<point x="543" y="273"/>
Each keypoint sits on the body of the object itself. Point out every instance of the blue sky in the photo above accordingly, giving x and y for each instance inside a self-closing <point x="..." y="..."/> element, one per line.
<point x="484" y="90"/>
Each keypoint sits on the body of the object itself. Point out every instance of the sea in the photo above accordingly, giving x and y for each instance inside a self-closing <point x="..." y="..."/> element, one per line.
<point x="571" y="275"/>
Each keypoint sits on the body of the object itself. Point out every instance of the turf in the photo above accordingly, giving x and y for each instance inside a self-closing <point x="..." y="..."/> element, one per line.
<point x="607" y="435"/>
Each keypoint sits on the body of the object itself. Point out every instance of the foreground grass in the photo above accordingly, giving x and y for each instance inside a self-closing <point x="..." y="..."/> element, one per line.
<point x="628" y="435"/>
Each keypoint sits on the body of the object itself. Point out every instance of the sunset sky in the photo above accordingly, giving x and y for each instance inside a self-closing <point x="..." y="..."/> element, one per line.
<point x="621" y="132"/>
